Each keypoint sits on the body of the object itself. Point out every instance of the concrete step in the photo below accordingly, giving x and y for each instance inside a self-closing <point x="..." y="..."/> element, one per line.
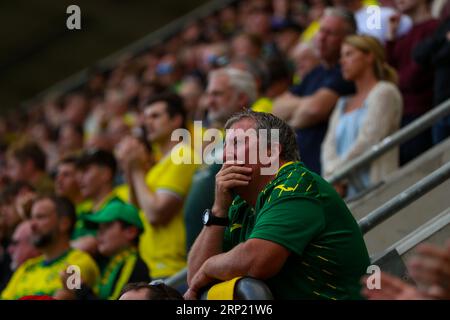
<point x="417" y="213"/>
<point x="392" y="260"/>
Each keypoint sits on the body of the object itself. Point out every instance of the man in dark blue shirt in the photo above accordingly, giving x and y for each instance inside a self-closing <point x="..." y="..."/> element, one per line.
<point x="308" y="105"/>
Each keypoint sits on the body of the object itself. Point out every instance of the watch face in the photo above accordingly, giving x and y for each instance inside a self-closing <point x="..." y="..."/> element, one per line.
<point x="206" y="217"/>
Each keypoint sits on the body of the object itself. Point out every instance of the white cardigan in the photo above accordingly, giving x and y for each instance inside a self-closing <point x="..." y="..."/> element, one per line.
<point x="385" y="105"/>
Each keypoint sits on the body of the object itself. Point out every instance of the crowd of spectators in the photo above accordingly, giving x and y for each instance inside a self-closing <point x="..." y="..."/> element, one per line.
<point x="86" y="177"/>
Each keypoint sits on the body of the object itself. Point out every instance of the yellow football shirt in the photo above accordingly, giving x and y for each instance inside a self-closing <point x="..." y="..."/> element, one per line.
<point x="39" y="277"/>
<point x="163" y="248"/>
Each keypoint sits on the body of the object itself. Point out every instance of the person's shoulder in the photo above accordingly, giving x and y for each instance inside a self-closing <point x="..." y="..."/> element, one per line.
<point x="383" y="88"/>
<point x="86" y="264"/>
<point x="78" y="256"/>
<point x="386" y="86"/>
<point x="293" y="180"/>
<point x="30" y="263"/>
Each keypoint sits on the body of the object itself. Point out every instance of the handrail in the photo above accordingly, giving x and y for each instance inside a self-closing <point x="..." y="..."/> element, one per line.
<point x="404" y="134"/>
<point x="405" y="198"/>
<point x="136" y="47"/>
<point x="177" y="279"/>
<point x="419" y="235"/>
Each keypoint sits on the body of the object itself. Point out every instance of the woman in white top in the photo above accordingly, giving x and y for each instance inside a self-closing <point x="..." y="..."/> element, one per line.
<point x="365" y="118"/>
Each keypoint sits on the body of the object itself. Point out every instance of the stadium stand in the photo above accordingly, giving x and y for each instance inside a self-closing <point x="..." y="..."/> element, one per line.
<point x="242" y="41"/>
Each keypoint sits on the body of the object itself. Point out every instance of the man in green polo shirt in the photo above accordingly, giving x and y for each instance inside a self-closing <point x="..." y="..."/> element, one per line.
<point x="119" y="228"/>
<point x="287" y="227"/>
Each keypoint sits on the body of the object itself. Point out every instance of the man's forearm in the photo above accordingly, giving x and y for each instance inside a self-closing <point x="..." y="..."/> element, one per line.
<point x="144" y="197"/>
<point x="131" y="190"/>
<point x="209" y="243"/>
<point x="223" y="267"/>
<point x="304" y="116"/>
<point x="285" y="106"/>
<point x="314" y="109"/>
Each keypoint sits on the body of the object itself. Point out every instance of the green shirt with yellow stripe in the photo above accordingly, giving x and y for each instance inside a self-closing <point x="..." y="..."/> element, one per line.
<point x="302" y="212"/>
<point x="121" y="269"/>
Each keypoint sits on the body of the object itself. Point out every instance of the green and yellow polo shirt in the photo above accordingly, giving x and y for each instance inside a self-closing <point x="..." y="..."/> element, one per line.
<point x="302" y="212"/>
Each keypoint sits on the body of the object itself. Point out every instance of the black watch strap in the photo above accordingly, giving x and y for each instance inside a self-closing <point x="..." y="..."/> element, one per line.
<point x="209" y="219"/>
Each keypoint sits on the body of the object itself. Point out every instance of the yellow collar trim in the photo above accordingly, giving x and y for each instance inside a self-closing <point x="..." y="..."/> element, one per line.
<point x="284" y="165"/>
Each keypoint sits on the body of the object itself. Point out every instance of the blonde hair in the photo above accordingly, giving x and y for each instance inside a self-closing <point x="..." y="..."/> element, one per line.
<point x="368" y="44"/>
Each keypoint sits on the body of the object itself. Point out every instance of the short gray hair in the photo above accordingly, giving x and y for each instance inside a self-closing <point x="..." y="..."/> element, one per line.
<point x="345" y="15"/>
<point x="241" y="81"/>
<point x="288" y="141"/>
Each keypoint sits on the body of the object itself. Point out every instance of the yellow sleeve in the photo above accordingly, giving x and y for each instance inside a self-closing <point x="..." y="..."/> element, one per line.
<point x="9" y="293"/>
<point x="176" y="177"/>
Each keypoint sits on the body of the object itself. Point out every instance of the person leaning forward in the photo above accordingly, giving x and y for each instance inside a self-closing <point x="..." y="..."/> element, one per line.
<point x="289" y="228"/>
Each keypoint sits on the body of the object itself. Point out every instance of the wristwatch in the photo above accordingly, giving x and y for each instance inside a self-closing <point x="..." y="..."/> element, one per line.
<point x="211" y="220"/>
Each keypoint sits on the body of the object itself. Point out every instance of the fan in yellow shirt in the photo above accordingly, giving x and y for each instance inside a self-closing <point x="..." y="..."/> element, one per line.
<point x="52" y="221"/>
<point x="38" y="276"/>
<point x="159" y="191"/>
